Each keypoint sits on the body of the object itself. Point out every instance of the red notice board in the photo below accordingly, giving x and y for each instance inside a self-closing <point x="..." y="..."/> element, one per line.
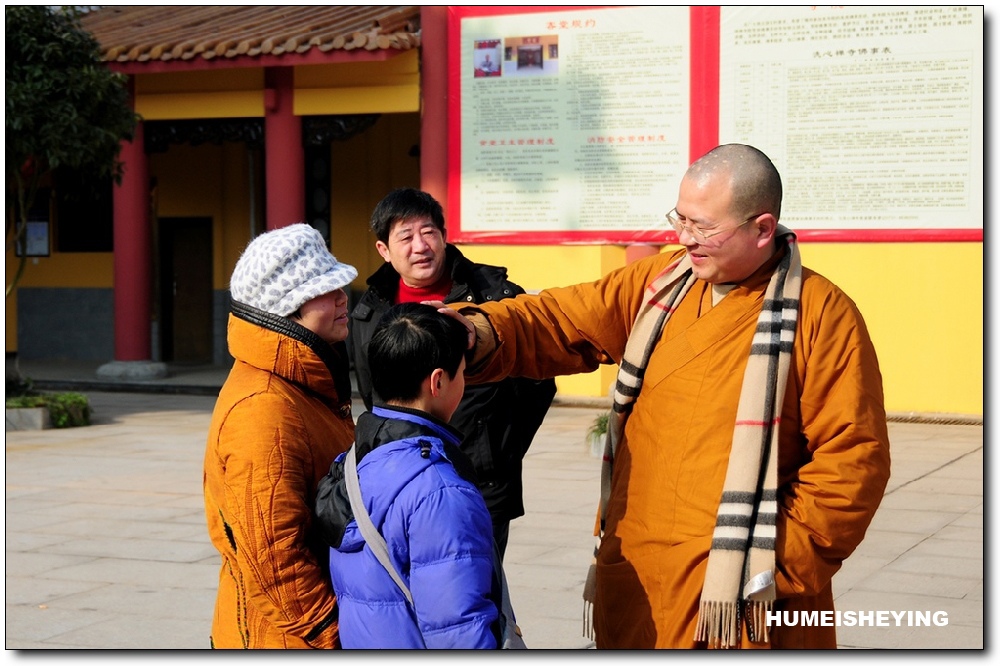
<point x="574" y="125"/>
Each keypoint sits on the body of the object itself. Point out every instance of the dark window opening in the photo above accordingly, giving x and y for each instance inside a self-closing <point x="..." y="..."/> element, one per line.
<point x="84" y="212"/>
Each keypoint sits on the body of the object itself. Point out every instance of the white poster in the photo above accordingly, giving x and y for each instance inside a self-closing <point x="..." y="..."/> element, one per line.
<point x="873" y="115"/>
<point x="573" y="120"/>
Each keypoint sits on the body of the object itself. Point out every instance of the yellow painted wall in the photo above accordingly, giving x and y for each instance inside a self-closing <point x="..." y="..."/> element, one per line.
<point x="928" y="332"/>
<point x="364" y="169"/>
<point x="229" y="93"/>
<point x="216" y="182"/>
<point x="208" y="181"/>
<point x="391" y="86"/>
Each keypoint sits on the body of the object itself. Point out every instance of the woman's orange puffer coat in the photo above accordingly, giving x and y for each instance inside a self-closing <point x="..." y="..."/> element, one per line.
<point x="283" y="415"/>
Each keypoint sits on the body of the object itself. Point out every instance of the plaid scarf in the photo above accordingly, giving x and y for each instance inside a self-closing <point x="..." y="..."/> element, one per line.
<point x="740" y="575"/>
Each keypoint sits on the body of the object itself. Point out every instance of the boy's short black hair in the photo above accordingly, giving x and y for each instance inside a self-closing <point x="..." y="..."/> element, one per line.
<point x="404" y="203"/>
<point x="410" y="341"/>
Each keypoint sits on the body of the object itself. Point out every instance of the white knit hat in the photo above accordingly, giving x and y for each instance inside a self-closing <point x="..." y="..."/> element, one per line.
<point x="283" y="268"/>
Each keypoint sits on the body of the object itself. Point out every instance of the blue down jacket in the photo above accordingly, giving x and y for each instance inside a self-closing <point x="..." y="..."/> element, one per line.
<point x="438" y="533"/>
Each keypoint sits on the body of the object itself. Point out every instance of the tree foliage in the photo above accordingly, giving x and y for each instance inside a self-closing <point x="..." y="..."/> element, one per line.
<point x="64" y="107"/>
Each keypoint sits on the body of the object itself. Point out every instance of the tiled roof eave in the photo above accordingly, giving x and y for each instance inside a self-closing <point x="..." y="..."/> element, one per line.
<point x="311" y="57"/>
<point x="160" y="38"/>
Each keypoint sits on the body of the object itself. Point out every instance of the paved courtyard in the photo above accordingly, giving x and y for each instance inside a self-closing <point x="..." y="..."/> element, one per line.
<point x="106" y="544"/>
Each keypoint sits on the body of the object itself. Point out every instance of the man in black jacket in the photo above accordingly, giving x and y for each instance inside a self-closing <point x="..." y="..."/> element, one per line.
<point x="498" y="420"/>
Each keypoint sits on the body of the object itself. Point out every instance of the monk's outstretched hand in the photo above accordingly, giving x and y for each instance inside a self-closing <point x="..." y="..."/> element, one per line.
<point x="444" y="309"/>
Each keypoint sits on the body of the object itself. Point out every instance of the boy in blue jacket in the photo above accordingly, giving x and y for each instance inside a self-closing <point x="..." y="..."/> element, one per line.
<point x="420" y="492"/>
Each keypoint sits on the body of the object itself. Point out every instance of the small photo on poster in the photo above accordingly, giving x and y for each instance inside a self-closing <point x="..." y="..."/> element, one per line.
<point x="486" y="58"/>
<point x="536" y="55"/>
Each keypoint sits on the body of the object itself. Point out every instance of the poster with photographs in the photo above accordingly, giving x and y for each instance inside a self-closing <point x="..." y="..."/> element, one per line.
<point x="572" y="120"/>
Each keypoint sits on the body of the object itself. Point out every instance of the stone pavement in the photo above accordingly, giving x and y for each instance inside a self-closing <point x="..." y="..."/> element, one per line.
<point x="106" y="544"/>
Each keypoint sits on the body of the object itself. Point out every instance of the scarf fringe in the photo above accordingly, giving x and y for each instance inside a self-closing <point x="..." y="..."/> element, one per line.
<point x="719" y="623"/>
<point x="589" y="592"/>
<point x="756" y="617"/>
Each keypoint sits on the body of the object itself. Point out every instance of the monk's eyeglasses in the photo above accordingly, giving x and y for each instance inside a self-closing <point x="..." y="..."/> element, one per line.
<point x="701" y="235"/>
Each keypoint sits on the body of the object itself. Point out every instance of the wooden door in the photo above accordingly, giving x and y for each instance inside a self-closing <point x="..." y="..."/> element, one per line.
<point x="186" y="289"/>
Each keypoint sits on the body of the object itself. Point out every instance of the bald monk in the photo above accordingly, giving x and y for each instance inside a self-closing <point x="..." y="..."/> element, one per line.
<point x="748" y="448"/>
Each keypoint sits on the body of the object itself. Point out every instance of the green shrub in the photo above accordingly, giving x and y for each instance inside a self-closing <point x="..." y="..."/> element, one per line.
<point x="66" y="410"/>
<point x="599" y="426"/>
<point x="26" y="401"/>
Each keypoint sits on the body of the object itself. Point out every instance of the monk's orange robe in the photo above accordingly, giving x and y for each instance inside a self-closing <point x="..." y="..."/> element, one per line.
<point x="833" y="461"/>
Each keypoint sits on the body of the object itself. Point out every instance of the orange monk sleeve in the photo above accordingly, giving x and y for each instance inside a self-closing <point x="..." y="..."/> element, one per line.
<point x="486" y="340"/>
<point x="827" y="505"/>
<point x="562" y="330"/>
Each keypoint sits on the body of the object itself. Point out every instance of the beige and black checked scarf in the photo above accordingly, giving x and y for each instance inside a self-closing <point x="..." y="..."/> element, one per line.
<point x="739" y="581"/>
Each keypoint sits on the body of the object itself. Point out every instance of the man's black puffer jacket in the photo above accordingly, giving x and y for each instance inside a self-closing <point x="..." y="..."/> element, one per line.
<point x="498" y="421"/>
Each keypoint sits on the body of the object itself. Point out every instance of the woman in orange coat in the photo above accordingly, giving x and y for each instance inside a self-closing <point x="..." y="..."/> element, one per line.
<point x="282" y="416"/>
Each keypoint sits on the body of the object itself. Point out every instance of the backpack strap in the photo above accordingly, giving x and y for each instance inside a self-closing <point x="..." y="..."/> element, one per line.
<point x="368" y="530"/>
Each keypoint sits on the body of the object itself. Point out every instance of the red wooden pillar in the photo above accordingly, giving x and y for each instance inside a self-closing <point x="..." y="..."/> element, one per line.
<point x="133" y="254"/>
<point x="434" y="90"/>
<point x="283" y="151"/>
